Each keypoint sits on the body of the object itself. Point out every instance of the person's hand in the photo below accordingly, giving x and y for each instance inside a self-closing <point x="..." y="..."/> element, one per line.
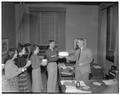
<point x="61" y="57"/>
<point x="28" y="64"/>
<point x="80" y="64"/>
<point x="23" y="69"/>
<point x="44" y="62"/>
<point x="53" y="55"/>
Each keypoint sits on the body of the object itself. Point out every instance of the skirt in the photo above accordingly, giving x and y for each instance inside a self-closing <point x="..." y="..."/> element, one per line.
<point x="24" y="82"/>
<point x="10" y="85"/>
<point x="37" y="85"/>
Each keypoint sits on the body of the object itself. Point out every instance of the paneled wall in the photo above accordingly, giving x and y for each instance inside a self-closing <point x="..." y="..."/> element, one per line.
<point x="47" y="24"/>
<point x="22" y="24"/>
<point x="8" y="23"/>
<point x="80" y="21"/>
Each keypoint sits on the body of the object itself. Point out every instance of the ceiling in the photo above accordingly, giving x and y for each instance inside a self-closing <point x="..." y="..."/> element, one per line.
<point x="59" y="3"/>
<point x="64" y="3"/>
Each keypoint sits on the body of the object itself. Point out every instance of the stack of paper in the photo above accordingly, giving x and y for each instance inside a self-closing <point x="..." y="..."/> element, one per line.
<point x="110" y="82"/>
<point x="62" y="66"/>
<point x="97" y="83"/>
<point x="63" y="81"/>
<point x="97" y="67"/>
<point x="66" y="73"/>
<point x="63" y="54"/>
<point x="70" y="67"/>
<point x="82" y="83"/>
<point x="73" y="89"/>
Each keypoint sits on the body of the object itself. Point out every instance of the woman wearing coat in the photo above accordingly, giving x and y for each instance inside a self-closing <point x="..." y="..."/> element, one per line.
<point x="12" y="71"/>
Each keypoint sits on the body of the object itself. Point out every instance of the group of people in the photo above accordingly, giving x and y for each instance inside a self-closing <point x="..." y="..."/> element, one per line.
<point x="19" y="60"/>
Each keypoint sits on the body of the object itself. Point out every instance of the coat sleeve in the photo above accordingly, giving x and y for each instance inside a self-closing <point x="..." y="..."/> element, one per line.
<point x="72" y="56"/>
<point x="50" y="58"/>
<point x="89" y="57"/>
<point x="11" y="70"/>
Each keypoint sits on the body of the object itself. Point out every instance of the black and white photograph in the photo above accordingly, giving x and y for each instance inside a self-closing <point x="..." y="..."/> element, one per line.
<point x="60" y="47"/>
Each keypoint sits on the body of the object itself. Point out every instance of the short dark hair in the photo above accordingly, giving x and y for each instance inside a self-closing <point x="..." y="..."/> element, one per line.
<point x="50" y="41"/>
<point x="34" y="48"/>
<point x="21" y="47"/>
<point x="81" y="39"/>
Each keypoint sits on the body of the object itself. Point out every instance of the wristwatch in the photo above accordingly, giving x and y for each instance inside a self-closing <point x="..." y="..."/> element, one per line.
<point x="23" y="69"/>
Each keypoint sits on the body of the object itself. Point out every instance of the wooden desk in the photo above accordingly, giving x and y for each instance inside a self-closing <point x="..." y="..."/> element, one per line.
<point x="62" y="76"/>
<point x="96" y="89"/>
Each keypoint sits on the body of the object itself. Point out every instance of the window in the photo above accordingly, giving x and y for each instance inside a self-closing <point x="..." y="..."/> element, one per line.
<point x="111" y="32"/>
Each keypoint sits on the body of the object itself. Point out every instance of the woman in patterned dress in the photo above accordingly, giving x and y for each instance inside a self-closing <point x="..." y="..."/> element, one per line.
<point x="12" y="71"/>
<point x="24" y="82"/>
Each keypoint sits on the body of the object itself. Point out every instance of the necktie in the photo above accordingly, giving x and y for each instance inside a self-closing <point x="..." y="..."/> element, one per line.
<point x="79" y="56"/>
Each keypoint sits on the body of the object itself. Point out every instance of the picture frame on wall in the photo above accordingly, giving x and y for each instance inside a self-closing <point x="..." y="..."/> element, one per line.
<point x="4" y="46"/>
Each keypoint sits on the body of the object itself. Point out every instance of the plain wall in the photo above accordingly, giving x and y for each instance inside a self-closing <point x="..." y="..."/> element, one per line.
<point x="82" y="21"/>
<point x="8" y="23"/>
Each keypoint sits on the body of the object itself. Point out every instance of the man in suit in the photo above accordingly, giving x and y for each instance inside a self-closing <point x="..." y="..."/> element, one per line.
<point x="83" y="57"/>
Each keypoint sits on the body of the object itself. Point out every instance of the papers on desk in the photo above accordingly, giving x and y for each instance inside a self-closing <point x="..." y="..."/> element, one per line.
<point x="84" y="86"/>
<point x="110" y="82"/>
<point x="71" y="84"/>
<point x="63" y="54"/>
<point x="66" y="73"/>
<point x="73" y="89"/>
<point x="70" y="67"/>
<point x="97" y="83"/>
<point x="97" y="67"/>
<point x="63" y="81"/>
<point x="82" y="83"/>
<point x="65" y="67"/>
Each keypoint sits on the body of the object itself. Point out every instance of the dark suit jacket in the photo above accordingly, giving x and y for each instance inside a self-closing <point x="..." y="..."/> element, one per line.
<point x="84" y="59"/>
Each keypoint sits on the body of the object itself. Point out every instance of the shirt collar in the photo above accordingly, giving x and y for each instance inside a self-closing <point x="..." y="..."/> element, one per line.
<point x="81" y="48"/>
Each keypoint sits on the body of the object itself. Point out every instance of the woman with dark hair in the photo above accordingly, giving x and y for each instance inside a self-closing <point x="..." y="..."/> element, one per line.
<point x="24" y="82"/>
<point x="12" y="71"/>
<point x="37" y="85"/>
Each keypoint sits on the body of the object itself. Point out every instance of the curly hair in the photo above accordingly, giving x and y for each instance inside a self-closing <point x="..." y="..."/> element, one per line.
<point x="10" y="54"/>
<point x="21" y="47"/>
